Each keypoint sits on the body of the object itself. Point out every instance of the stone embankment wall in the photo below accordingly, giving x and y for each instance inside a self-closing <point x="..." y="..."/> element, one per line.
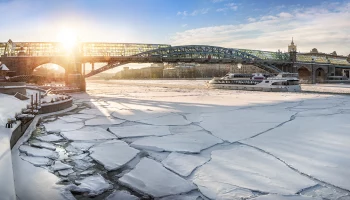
<point x="11" y="88"/>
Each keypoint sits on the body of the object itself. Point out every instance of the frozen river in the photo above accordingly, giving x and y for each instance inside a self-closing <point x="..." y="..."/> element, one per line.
<point x="170" y="139"/>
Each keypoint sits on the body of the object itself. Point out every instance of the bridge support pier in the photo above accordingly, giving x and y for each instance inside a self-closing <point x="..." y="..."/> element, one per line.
<point x="92" y="66"/>
<point x="83" y="73"/>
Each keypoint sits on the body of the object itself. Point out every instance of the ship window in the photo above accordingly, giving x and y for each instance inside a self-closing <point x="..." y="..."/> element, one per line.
<point x="267" y="81"/>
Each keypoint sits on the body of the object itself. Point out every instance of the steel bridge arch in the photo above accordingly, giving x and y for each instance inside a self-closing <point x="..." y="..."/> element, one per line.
<point x="194" y="53"/>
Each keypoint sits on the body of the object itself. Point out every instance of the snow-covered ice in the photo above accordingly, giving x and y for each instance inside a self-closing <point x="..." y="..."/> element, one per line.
<point x="79" y="157"/>
<point x="137" y="115"/>
<point x="247" y="167"/>
<point x="139" y="130"/>
<point x="49" y="138"/>
<point x="84" y="146"/>
<point x="183" y="164"/>
<point x="87" y="172"/>
<point x="182" y="197"/>
<point x="38" y="152"/>
<point x="94" y="111"/>
<point x="46" y="145"/>
<point x="58" y="165"/>
<point x="60" y="125"/>
<point x="88" y="133"/>
<point x="37" y="161"/>
<point x="92" y="185"/>
<point x="65" y="172"/>
<point x="281" y="197"/>
<point x="324" y="192"/>
<point x="184" y="129"/>
<point x="317" y="146"/>
<point x="70" y="119"/>
<point x="171" y="120"/>
<point x="121" y="195"/>
<point x="240" y="124"/>
<point x="113" y="154"/>
<point x="103" y="121"/>
<point x="150" y="177"/>
<point x="82" y="165"/>
<point x="192" y="142"/>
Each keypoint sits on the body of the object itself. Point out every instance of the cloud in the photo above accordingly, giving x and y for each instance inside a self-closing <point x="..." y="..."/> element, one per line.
<point x="324" y="27"/>
<point x="228" y="6"/>
<point x="193" y="13"/>
<point x="217" y="1"/>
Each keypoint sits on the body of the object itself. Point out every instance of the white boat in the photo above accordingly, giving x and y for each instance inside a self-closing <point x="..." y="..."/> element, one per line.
<point x="283" y="82"/>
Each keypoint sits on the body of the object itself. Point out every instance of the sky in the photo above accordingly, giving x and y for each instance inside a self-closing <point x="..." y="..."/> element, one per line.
<point x="249" y="24"/>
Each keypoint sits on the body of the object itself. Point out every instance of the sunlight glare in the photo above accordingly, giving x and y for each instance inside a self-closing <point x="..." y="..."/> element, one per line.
<point x="68" y="38"/>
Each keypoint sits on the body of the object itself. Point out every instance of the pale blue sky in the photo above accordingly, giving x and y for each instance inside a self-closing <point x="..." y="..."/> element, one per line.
<point x="253" y="24"/>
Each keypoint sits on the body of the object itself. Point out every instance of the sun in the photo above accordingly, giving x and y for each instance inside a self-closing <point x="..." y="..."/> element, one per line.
<point x="68" y="38"/>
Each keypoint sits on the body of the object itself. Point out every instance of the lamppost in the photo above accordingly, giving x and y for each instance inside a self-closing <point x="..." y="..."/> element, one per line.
<point x="312" y="71"/>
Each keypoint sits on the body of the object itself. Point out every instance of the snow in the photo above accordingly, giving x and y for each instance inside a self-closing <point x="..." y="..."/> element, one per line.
<point x="9" y="106"/>
<point x="190" y="142"/>
<point x="92" y="185"/>
<point x="58" y="165"/>
<point x="121" y="195"/>
<point x="46" y="145"/>
<point x="151" y="178"/>
<point x="170" y="120"/>
<point x="37" y="161"/>
<point x="139" y="130"/>
<point x="49" y="138"/>
<point x="183" y="164"/>
<point x="70" y="119"/>
<point x="113" y="154"/>
<point x="317" y="146"/>
<point x="88" y="133"/>
<point x="103" y="121"/>
<point x="248" y="168"/>
<point x="60" y="125"/>
<point x="37" y="152"/>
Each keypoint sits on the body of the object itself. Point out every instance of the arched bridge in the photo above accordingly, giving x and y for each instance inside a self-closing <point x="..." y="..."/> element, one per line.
<point x="25" y="56"/>
<point x="201" y="54"/>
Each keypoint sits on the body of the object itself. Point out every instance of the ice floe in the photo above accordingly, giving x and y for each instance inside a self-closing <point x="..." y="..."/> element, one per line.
<point x="170" y="120"/>
<point x="88" y="133"/>
<point x="79" y="157"/>
<point x="82" y="165"/>
<point x="113" y="154"/>
<point x="37" y="161"/>
<point x="324" y="192"/>
<point x="83" y="116"/>
<point x="151" y="178"/>
<point x="65" y="172"/>
<point x="60" y="125"/>
<point x="246" y="167"/>
<point x="121" y="195"/>
<point x="184" y="129"/>
<point x="240" y="124"/>
<point x="45" y="145"/>
<point x="70" y="119"/>
<point x="281" y="197"/>
<point x="103" y="121"/>
<point x="139" y="130"/>
<point x="92" y="185"/>
<point x="189" y="142"/>
<point x="50" y="138"/>
<point x="37" y="152"/>
<point x="88" y="172"/>
<point x="183" y="164"/>
<point x="318" y="147"/>
<point x="182" y="197"/>
<point x="84" y="146"/>
<point x="95" y="111"/>
<point x="58" y="165"/>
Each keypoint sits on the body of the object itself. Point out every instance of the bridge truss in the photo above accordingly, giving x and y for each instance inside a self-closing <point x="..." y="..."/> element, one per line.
<point x="116" y="54"/>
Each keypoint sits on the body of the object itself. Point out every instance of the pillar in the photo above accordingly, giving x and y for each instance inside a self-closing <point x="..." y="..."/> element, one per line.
<point x="83" y="69"/>
<point x="92" y="66"/>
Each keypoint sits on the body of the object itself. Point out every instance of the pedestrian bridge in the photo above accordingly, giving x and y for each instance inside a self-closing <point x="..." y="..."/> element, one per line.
<point x="117" y="54"/>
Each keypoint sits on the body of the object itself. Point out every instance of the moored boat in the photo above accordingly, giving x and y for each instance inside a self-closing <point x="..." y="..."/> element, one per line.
<point x="283" y="82"/>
